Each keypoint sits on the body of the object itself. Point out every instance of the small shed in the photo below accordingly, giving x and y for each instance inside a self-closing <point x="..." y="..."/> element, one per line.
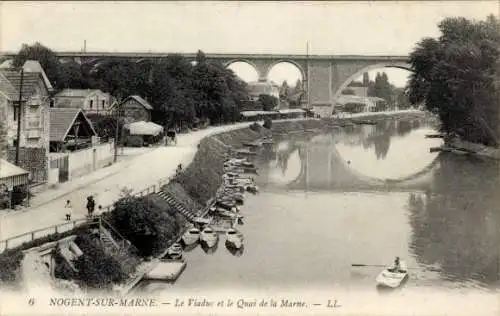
<point x="143" y="133"/>
<point x="69" y="129"/>
<point x="11" y="176"/>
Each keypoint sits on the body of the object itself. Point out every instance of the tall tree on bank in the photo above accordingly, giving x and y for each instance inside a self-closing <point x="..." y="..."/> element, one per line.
<point x="456" y="77"/>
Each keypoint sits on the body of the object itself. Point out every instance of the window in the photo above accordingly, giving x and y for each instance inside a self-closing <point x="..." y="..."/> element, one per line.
<point x="15" y="112"/>
<point x="91" y="103"/>
<point x="103" y="103"/>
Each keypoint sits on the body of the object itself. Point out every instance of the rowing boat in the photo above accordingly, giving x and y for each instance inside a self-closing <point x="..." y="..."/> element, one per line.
<point x="390" y="278"/>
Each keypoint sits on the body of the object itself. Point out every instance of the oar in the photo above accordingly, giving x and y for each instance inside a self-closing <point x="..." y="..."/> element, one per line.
<point x="385" y="266"/>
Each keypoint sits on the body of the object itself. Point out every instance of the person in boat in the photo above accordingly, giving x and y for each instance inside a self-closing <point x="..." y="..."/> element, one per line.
<point x="397" y="265"/>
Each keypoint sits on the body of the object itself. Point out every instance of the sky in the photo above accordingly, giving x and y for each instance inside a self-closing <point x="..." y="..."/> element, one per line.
<point x="359" y="28"/>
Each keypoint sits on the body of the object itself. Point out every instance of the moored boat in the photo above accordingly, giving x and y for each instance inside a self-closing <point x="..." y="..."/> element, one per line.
<point x="209" y="236"/>
<point x="235" y="238"/>
<point x="174" y="252"/>
<point x="389" y="277"/>
<point x="191" y="236"/>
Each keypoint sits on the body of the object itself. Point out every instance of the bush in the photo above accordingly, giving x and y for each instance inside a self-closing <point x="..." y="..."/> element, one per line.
<point x="268" y="123"/>
<point x="10" y="261"/>
<point x="147" y="226"/>
<point x="255" y="127"/>
<point x="19" y="194"/>
<point x="96" y="269"/>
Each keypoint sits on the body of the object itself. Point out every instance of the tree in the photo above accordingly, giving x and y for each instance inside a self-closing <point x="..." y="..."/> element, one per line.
<point x="146" y="225"/>
<point x="71" y="76"/>
<point x="298" y="87"/>
<point x="268" y="102"/>
<point x="455" y="77"/>
<point x="118" y="77"/>
<point x="366" y="79"/>
<point x="284" y="91"/>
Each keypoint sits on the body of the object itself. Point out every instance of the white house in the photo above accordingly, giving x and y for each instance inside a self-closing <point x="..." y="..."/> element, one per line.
<point x="89" y="100"/>
<point x="263" y="87"/>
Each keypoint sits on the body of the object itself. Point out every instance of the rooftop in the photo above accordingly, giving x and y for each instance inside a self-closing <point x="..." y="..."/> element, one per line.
<point x="30" y="81"/>
<point x="61" y="120"/>
<point x="140" y="100"/>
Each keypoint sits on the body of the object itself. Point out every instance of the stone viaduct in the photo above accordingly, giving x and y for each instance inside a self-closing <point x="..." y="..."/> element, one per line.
<point x="323" y="76"/>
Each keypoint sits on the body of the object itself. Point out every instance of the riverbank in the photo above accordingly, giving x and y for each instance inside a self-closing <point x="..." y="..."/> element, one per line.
<point x="478" y="150"/>
<point x="197" y="184"/>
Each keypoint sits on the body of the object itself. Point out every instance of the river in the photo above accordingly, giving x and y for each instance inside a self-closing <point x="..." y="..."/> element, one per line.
<point x="360" y="194"/>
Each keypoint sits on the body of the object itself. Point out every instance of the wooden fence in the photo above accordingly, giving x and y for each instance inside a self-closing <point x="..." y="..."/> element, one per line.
<point x="30" y="236"/>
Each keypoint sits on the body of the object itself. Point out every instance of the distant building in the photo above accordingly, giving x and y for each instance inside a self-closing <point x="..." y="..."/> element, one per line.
<point x="263" y="87"/>
<point x="357" y="104"/>
<point x="134" y="109"/>
<point x="359" y="91"/>
<point x="89" y="100"/>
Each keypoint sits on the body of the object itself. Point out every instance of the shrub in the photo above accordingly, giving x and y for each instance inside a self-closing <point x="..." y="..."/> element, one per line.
<point x="147" y="226"/>
<point x="19" y="194"/>
<point x="268" y="123"/>
<point x="96" y="269"/>
<point x="255" y="127"/>
<point x="10" y="261"/>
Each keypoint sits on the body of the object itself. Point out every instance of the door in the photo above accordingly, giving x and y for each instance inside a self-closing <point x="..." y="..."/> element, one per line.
<point x="63" y="169"/>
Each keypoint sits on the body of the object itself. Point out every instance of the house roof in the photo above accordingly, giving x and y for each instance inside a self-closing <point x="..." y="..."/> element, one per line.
<point x="8" y="170"/>
<point x="140" y="100"/>
<point x="77" y="93"/>
<point x="61" y="120"/>
<point x="30" y="81"/>
<point x="7" y="88"/>
<point x="34" y="66"/>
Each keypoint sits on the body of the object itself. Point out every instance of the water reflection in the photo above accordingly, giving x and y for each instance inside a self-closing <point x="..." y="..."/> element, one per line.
<point x="343" y="159"/>
<point x="207" y="249"/>
<point x="456" y="224"/>
<point x="237" y="252"/>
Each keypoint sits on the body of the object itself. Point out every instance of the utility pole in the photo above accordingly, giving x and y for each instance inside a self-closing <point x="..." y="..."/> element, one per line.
<point x="117" y="129"/>
<point x="19" y="110"/>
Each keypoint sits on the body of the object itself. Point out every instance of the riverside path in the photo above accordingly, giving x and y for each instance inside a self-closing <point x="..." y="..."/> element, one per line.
<point x="136" y="174"/>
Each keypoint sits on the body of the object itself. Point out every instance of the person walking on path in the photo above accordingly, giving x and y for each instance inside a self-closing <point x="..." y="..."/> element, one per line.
<point x="90" y="205"/>
<point x="69" y="210"/>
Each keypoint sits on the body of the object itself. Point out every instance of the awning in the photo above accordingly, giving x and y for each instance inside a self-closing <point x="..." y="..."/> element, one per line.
<point x="144" y="128"/>
<point x="12" y="175"/>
